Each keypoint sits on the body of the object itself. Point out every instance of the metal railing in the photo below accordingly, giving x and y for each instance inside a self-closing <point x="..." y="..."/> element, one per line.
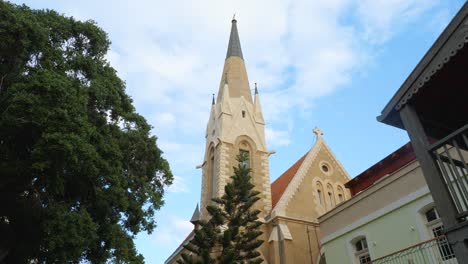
<point x="451" y="154"/>
<point x="433" y="251"/>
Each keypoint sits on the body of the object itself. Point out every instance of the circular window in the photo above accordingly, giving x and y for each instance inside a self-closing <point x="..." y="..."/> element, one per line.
<point x="326" y="168"/>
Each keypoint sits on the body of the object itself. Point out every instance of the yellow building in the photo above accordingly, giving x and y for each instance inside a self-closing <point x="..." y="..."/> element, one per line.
<point x="291" y="205"/>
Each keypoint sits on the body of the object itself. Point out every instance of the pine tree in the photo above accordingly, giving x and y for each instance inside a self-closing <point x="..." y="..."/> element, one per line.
<point x="231" y="234"/>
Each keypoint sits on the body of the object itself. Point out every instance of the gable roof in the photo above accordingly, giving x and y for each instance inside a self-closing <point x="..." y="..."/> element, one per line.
<point x="284" y="188"/>
<point x="279" y="185"/>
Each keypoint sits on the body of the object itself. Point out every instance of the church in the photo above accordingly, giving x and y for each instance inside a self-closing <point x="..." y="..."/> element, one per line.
<point x="291" y="205"/>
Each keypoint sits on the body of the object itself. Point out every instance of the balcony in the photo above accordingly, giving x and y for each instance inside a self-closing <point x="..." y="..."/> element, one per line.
<point x="433" y="251"/>
<point x="451" y="156"/>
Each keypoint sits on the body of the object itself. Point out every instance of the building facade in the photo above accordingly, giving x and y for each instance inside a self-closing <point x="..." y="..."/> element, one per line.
<point x="431" y="107"/>
<point x="391" y="217"/>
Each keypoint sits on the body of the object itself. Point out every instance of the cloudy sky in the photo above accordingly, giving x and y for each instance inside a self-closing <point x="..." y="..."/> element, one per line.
<point x="332" y="64"/>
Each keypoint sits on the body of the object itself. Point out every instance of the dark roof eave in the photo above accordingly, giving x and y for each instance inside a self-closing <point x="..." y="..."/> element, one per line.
<point x="389" y="114"/>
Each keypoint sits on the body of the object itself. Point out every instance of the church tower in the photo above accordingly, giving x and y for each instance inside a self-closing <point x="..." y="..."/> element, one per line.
<point x="235" y="125"/>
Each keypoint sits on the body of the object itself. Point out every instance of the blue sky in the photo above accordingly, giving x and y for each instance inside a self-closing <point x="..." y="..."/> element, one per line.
<point x="332" y="64"/>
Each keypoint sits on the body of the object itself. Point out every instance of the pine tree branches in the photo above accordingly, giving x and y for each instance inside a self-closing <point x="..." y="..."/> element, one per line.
<point x="231" y="234"/>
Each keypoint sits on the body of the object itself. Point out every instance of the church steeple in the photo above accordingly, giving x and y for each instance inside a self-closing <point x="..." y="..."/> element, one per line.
<point x="234" y="71"/>
<point x="236" y="124"/>
<point x="234" y="47"/>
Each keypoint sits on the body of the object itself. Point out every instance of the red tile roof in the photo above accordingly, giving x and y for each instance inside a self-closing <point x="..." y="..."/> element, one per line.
<point x="386" y="166"/>
<point x="279" y="185"/>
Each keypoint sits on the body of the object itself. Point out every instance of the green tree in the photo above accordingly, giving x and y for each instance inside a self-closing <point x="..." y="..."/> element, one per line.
<point x="231" y="234"/>
<point x="80" y="174"/>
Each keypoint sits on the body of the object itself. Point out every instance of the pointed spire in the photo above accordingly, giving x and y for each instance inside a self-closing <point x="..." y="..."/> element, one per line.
<point x="196" y="216"/>
<point x="234" y="71"/>
<point x="258" y="107"/>
<point x="234" y="47"/>
<point x="213" y="102"/>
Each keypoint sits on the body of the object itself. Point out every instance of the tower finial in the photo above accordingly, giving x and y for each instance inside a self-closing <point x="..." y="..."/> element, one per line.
<point x="213" y="102"/>
<point x="234" y="17"/>
<point x="256" y="90"/>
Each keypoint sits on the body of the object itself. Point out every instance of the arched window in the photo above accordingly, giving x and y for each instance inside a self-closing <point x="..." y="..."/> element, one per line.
<point x="330" y="195"/>
<point x="340" y="194"/>
<point x="319" y="196"/>
<point x="361" y="250"/>
<point x="246" y="154"/>
<point x="319" y="193"/>
<point x="212" y="175"/>
<point x="436" y="229"/>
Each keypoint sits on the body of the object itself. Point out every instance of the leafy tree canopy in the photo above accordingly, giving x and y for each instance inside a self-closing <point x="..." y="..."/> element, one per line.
<point x="231" y="234"/>
<point x="80" y="174"/>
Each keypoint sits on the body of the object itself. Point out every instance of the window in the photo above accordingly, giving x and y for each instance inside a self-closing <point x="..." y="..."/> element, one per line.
<point x="243" y="114"/>
<point x="325" y="168"/>
<point x="212" y="175"/>
<point x="246" y="154"/>
<point x="330" y="196"/>
<point x="319" y="196"/>
<point x="340" y="197"/>
<point x="436" y="228"/>
<point x="431" y="215"/>
<point x="362" y="251"/>
<point x="340" y="194"/>
<point x="361" y="244"/>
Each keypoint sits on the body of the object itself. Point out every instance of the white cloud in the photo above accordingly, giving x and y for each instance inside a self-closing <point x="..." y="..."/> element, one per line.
<point x="383" y="18"/>
<point x="179" y="185"/>
<point x="277" y="137"/>
<point x="173" y="232"/>
<point x="297" y="51"/>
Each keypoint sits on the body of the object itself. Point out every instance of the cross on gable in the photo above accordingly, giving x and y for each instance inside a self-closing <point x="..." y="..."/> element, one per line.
<point x="317" y="131"/>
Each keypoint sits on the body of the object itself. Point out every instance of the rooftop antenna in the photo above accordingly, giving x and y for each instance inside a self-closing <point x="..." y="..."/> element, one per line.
<point x="234" y="16"/>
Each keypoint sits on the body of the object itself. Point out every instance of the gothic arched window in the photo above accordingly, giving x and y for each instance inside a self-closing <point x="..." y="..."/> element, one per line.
<point x="319" y="193"/>
<point x="212" y="174"/>
<point x="330" y="195"/>
<point x="246" y="162"/>
<point x="340" y="194"/>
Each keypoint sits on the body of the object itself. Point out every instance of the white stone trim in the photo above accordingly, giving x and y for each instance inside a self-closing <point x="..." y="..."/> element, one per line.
<point x="273" y="234"/>
<point x="376" y="214"/>
<point x="285" y="233"/>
